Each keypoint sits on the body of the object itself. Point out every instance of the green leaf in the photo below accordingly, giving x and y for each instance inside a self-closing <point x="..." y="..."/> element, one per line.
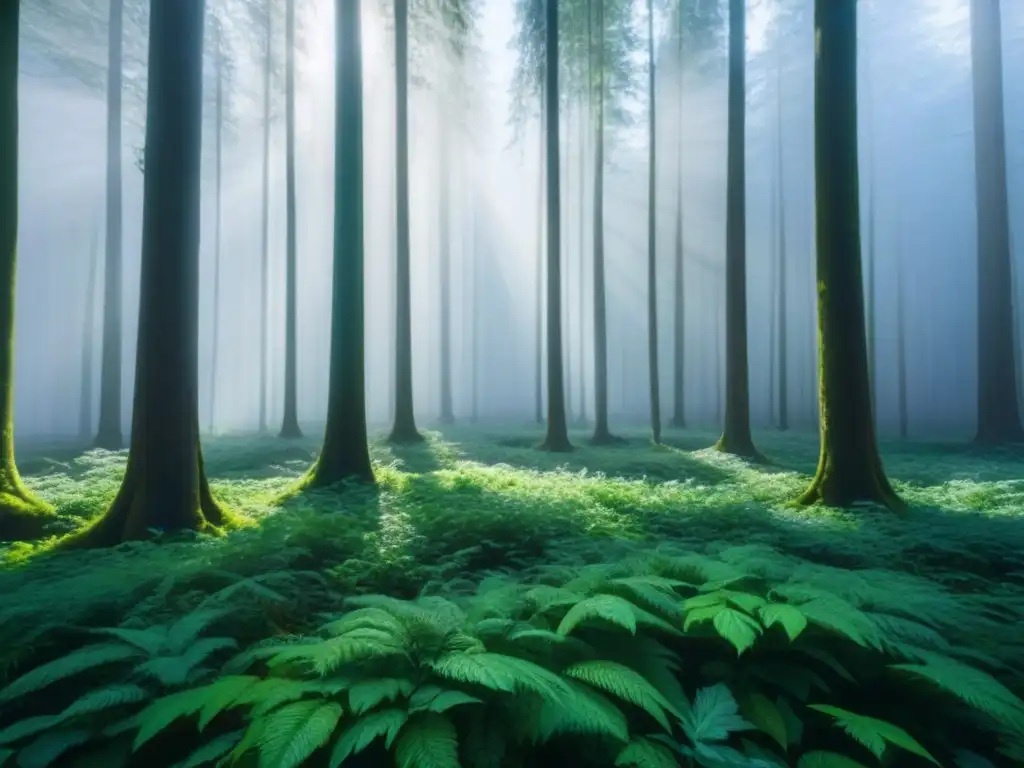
<point x="822" y="759"/>
<point x="787" y="616"/>
<point x="164" y="711"/>
<point x="736" y="627"/>
<point x="48" y="748"/>
<point x="610" y="608"/>
<point x="30" y="726"/>
<point x="105" y="698"/>
<point x="644" y="753"/>
<point x="428" y="740"/>
<point x="212" y="750"/>
<point x="498" y="672"/>
<point x="367" y="694"/>
<point x="621" y="681"/>
<point x="83" y="659"/>
<point x="843" y="619"/>
<point x="445" y="700"/>
<point x="872" y="733"/>
<point x="357" y="737"/>
<point x="222" y="693"/>
<point x="703" y="613"/>
<point x="765" y="716"/>
<point x="714" y="716"/>
<point x="296" y="731"/>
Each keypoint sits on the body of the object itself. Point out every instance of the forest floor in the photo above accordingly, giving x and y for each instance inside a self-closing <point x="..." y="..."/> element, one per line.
<point x="474" y="501"/>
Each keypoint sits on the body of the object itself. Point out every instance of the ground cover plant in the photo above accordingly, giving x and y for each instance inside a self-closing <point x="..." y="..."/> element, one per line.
<point x="490" y="605"/>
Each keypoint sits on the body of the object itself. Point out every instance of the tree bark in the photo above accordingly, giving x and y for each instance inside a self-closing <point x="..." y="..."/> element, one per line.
<point x="783" y="329"/>
<point x="445" y="214"/>
<point x="849" y="466"/>
<point x="218" y="197"/>
<point x="265" y="246"/>
<point x="345" y="454"/>
<point x="652" y="237"/>
<point x="998" y="412"/>
<point x="679" y="284"/>
<point x="164" y="487"/>
<point x="736" y="438"/>
<point x="557" y="438"/>
<point x="85" y="417"/>
<point x="404" y="428"/>
<point x="108" y="431"/>
<point x="901" y="348"/>
<point x="22" y="515"/>
<point x="290" y="422"/>
<point x="538" y="382"/>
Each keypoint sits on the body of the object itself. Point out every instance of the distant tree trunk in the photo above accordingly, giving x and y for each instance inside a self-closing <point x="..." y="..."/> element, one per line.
<point x="22" y="515"/>
<point x="901" y="348"/>
<point x="164" y="486"/>
<point x="345" y="454"/>
<point x="871" y="303"/>
<point x="445" y="213"/>
<point x="780" y="178"/>
<point x="475" y="298"/>
<point x="85" y="418"/>
<point x="581" y="255"/>
<point x="652" y="237"/>
<point x="601" y="433"/>
<point x="538" y="394"/>
<point x="218" y="197"/>
<point x="736" y="437"/>
<point x="998" y="412"/>
<point x="108" y="431"/>
<point x="718" y="367"/>
<point x="773" y="298"/>
<point x="849" y="467"/>
<point x="290" y="422"/>
<point x="404" y="428"/>
<point x="265" y="246"/>
<point x="679" y="286"/>
<point x="557" y="438"/>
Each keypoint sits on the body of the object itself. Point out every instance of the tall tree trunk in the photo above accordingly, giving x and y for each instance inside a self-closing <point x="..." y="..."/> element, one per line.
<point x="780" y="175"/>
<point x="718" y="365"/>
<point x="85" y="405"/>
<point x="265" y="245"/>
<point x="601" y="433"/>
<point x="736" y="437"/>
<point x="901" y="347"/>
<point x="652" y="237"/>
<point x="22" y="515"/>
<point x="290" y="423"/>
<point x="538" y="383"/>
<point x="872" y="299"/>
<point x="345" y="454"/>
<point x="475" y="315"/>
<point x="164" y="486"/>
<point x="404" y="429"/>
<point x="998" y="413"/>
<point x="849" y="467"/>
<point x="445" y="213"/>
<point x="218" y="198"/>
<point x="679" y="284"/>
<point x="557" y="438"/>
<point x="773" y="298"/>
<point x="108" y="431"/>
<point x="581" y="262"/>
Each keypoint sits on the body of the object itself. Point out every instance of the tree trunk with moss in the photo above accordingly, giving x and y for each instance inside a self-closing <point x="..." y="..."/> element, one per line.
<point x="346" y="454"/>
<point x="404" y="428"/>
<point x="557" y="438"/>
<point x="998" y="412"/>
<point x="164" y="487"/>
<point x="290" y="421"/>
<point x="736" y="438"/>
<point x="108" y="431"/>
<point x="849" y="466"/>
<point x="22" y="515"/>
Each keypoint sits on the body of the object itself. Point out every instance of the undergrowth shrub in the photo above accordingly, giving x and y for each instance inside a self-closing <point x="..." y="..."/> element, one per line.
<point x="743" y="658"/>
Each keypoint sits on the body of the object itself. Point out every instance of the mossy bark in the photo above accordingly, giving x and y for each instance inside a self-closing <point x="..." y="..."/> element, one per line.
<point x="998" y="412"/>
<point x="849" y="466"/>
<point x="557" y="438"/>
<point x="22" y="515"/>
<point x="345" y="454"/>
<point x="653" y="373"/>
<point x="736" y="438"/>
<point x="404" y="427"/>
<point x="108" y="431"/>
<point x="290" y="420"/>
<point x="164" y="486"/>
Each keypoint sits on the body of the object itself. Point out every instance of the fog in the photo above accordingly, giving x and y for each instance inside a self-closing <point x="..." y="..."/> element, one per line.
<point x="917" y="157"/>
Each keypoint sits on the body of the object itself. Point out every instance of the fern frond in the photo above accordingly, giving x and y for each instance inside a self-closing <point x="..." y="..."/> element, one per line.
<point x="822" y="759"/>
<point x="428" y="740"/>
<point x="48" y="748"/>
<point x="30" y="726"/>
<point x="644" y="753"/>
<point x="614" y="610"/>
<point x="165" y="710"/>
<point x="103" y="699"/>
<point x="272" y="692"/>
<point x="212" y="750"/>
<point x="873" y="733"/>
<point x="763" y="714"/>
<point x="222" y="693"/>
<point x="584" y="711"/>
<point x="326" y="656"/>
<point x="367" y="694"/>
<point x="498" y="672"/>
<point x="714" y="715"/>
<point x="371" y="617"/>
<point x="185" y="630"/>
<point x="173" y="671"/>
<point x="621" y="681"/>
<point x="82" y="660"/>
<point x="362" y="733"/>
<point x="840" y="617"/>
<point x="151" y="640"/>
<point x="295" y="731"/>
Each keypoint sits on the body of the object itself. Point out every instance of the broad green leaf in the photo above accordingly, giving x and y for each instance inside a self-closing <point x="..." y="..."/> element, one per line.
<point x="787" y="616"/>
<point x="760" y="711"/>
<point x="874" y="733"/>
<point x="614" y="610"/>
<point x="736" y="627"/>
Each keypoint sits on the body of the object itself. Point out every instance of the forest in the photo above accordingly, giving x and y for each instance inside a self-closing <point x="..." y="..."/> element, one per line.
<point x="511" y="383"/>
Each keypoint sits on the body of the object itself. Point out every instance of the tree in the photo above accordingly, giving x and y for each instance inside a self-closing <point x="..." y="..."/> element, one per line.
<point x="218" y="196"/>
<point x="679" y="282"/>
<point x="998" y="411"/>
<point x="901" y="349"/>
<point x="85" y="405"/>
<point x="445" y="274"/>
<point x="290" y="422"/>
<point x="108" y="432"/>
<point x="22" y="515"/>
<point x="652" y="236"/>
<point x="736" y="437"/>
<point x="849" y="466"/>
<point x="782" y="307"/>
<point x="164" y="486"/>
<point x="557" y="438"/>
<point x="345" y="454"/>
<point x="265" y="222"/>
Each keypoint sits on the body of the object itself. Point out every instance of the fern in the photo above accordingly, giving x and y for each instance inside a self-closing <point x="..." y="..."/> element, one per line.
<point x="623" y="682"/>
<point x="367" y="694"/>
<point x="428" y="740"/>
<point x="610" y="608"/>
<point x="48" y="748"/>
<point x="872" y="733"/>
<point x="76" y="662"/>
<point x="644" y="753"/>
<point x="295" y="731"/>
<point x="821" y="759"/>
<point x="714" y="716"/>
<point x="357" y="737"/>
<point x="212" y="750"/>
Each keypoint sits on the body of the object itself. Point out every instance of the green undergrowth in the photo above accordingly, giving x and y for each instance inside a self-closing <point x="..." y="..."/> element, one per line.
<point x="472" y="595"/>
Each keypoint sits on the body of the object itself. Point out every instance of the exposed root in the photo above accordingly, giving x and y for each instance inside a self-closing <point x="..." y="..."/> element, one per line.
<point x="23" y="517"/>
